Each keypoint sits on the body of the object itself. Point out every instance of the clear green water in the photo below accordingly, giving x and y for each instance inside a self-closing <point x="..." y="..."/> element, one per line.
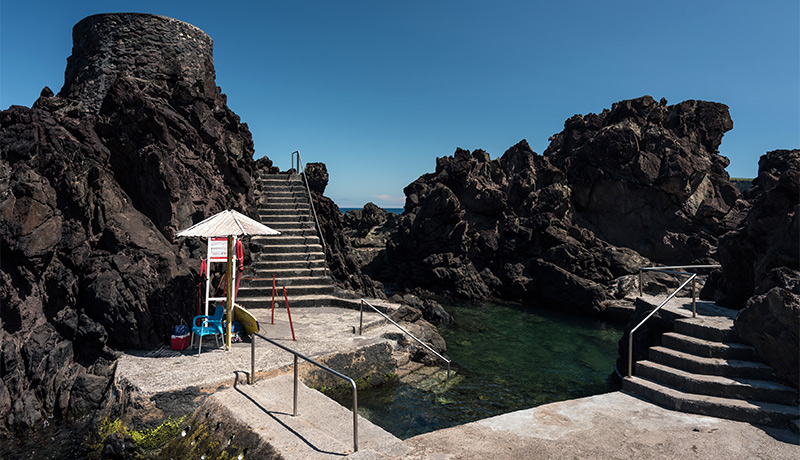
<point x="509" y="358"/>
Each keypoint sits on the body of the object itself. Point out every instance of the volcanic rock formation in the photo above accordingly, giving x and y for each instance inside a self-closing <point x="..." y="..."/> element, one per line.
<point x="761" y="263"/>
<point x="648" y="176"/>
<point x="640" y="181"/>
<point x="95" y="183"/>
<point x="479" y="227"/>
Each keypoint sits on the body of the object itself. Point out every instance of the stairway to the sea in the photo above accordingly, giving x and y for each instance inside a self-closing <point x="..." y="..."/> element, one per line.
<point x="296" y="257"/>
<point x="702" y="368"/>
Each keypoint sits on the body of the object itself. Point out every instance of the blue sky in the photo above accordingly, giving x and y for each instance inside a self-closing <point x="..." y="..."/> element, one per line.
<point x="378" y="90"/>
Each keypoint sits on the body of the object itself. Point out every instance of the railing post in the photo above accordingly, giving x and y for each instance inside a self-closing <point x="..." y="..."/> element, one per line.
<point x="295" y="387"/>
<point x="361" y="321"/>
<point x="694" y="298"/>
<point x="253" y="359"/>
<point x="630" y="354"/>
<point x="355" y="416"/>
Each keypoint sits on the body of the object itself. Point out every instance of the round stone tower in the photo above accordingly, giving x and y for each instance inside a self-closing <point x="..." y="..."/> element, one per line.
<point x="157" y="52"/>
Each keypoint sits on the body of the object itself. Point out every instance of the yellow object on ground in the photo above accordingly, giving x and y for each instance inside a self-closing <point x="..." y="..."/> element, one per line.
<point x="246" y="318"/>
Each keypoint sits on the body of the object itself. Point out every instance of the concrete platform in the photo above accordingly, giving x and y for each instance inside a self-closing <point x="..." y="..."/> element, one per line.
<point x="681" y="307"/>
<point x="613" y="425"/>
<point x="320" y="331"/>
<point x="322" y="429"/>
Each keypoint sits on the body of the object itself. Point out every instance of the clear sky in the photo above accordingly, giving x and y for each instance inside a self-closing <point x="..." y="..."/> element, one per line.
<point x="377" y="90"/>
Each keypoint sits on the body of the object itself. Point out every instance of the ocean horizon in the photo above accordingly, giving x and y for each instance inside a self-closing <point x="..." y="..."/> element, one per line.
<point x="392" y="210"/>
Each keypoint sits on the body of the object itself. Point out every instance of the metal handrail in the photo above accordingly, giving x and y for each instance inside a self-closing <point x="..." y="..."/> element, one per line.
<point x="321" y="366"/>
<point x="671" y="270"/>
<point x="361" y="326"/>
<point x="300" y="167"/>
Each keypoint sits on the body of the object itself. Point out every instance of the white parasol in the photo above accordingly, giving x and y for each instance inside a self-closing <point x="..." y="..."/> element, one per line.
<point x="228" y="224"/>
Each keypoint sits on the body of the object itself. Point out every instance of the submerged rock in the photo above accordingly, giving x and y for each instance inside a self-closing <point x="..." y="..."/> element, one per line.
<point x="96" y="181"/>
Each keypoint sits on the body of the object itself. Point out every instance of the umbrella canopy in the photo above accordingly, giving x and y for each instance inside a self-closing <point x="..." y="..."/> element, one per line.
<point x="228" y="223"/>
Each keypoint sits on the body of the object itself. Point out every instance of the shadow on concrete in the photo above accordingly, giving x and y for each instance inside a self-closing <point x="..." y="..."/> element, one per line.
<point x="273" y="414"/>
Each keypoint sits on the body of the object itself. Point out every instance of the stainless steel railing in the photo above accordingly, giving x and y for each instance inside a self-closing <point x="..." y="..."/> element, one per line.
<point x="251" y="379"/>
<point x="361" y="326"/>
<point x="670" y="270"/>
<point x="301" y="170"/>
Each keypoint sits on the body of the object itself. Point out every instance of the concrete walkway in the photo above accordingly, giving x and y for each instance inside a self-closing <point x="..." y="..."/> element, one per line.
<point x="613" y="425"/>
<point x="320" y="331"/>
<point x="323" y="429"/>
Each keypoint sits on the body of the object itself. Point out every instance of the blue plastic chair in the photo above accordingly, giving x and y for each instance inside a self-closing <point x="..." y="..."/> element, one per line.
<point x="208" y="325"/>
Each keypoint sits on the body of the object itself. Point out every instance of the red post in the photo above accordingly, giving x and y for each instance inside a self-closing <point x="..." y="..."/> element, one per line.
<point x="289" y="312"/>
<point x="273" y="299"/>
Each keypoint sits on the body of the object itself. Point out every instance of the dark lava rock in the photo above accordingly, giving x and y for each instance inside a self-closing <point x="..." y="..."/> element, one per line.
<point x="430" y="309"/>
<point x="770" y="322"/>
<point x="760" y="262"/>
<point x="95" y="182"/>
<point x="342" y="259"/>
<point x="640" y="181"/>
<point x="317" y="176"/>
<point x="768" y="237"/>
<point x="648" y="176"/>
<point x="479" y="227"/>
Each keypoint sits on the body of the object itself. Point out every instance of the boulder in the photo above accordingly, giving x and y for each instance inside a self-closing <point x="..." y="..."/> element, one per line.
<point x="317" y="176"/>
<point x="770" y="321"/>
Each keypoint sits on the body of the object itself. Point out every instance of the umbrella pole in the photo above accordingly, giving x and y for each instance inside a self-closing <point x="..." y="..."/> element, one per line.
<point x="229" y="294"/>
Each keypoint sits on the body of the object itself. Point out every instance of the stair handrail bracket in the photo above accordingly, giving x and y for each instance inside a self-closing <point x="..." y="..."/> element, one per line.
<point x="361" y="327"/>
<point x="297" y="355"/>
<point x="301" y="171"/>
<point x="674" y="271"/>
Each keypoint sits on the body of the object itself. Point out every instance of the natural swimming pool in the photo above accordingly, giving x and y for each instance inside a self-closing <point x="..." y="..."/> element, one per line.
<point x="509" y="358"/>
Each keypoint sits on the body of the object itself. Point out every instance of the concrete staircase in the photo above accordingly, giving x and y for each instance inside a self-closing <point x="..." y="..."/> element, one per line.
<point x="295" y="257"/>
<point x="702" y="369"/>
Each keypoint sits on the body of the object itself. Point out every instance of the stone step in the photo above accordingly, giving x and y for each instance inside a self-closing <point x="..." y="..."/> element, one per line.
<point x="266" y="219"/>
<point x="277" y="178"/>
<point x="268" y="266"/>
<point x="268" y="242"/>
<point x="288" y="225"/>
<point x="301" y="302"/>
<point x="281" y="192"/>
<point x="291" y="273"/>
<point x="269" y="186"/>
<point x="708" y="328"/>
<point x="711" y="366"/>
<point x="307" y="231"/>
<point x="284" y="200"/>
<point x="259" y="248"/>
<point x="270" y="256"/>
<point x="760" y="413"/>
<point x="246" y="292"/>
<point x="271" y="207"/>
<point x="255" y="281"/>
<point x="707" y="348"/>
<point x="714" y="385"/>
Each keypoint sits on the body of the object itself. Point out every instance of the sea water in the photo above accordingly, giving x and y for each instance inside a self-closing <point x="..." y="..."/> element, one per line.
<point x="505" y="358"/>
<point x="392" y="210"/>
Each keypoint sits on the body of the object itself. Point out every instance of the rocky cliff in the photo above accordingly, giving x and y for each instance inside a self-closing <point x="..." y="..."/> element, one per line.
<point x="95" y="183"/>
<point x="761" y="265"/>
<point x="640" y="181"/>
